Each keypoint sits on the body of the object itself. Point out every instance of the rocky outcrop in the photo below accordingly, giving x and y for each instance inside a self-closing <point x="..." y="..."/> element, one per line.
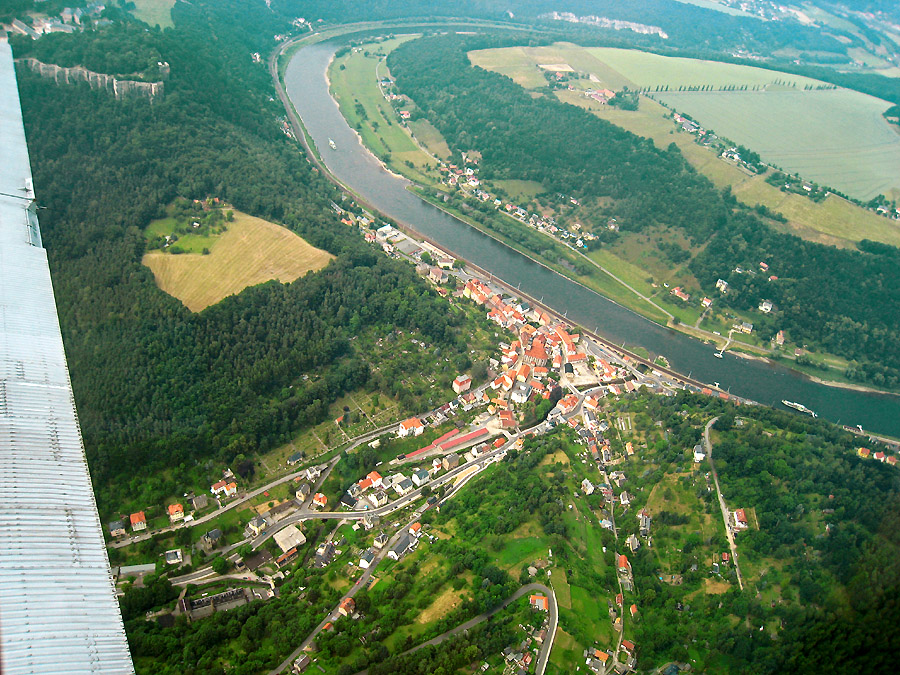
<point x="119" y="88"/>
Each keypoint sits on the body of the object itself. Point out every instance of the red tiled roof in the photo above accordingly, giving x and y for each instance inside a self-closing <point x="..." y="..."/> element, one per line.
<point x="465" y="438"/>
<point x="138" y="517"/>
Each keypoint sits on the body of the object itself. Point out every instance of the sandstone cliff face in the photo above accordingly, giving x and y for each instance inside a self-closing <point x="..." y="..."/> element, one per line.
<point x="119" y="88"/>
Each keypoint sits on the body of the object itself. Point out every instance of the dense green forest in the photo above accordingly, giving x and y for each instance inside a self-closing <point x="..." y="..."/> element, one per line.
<point x="841" y="301"/>
<point x="156" y="385"/>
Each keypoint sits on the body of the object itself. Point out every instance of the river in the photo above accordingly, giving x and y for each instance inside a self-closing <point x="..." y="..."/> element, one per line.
<point x="306" y="85"/>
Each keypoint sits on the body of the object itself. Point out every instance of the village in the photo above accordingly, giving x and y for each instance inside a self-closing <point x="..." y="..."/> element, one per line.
<point x="545" y="374"/>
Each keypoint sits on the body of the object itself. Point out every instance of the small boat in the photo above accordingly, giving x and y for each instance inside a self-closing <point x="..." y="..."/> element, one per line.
<point x="718" y="355"/>
<point x="332" y="144"/>
<point x="799" y="407"/>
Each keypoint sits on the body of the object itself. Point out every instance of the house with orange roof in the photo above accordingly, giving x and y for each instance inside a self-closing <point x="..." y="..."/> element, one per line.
<point x="863" y="452"/>
<point x="138" y="521"/>
<point x="462" y="383"/>
<point x="603" y="657"/>
<point x="376" y="479"/>
<point x="347" y="607"/>
<point x="540" y="371"/>
<point x="231" y="490"/>
<point x="218" y="488"/>
<point x="320" y="500"/>
<point x="539" y="602"/>
<point x="634" y="611"/>
<point x="629" y="449"/>
<point x="628" y="646"/>
<point x="740" y="520"/>
<point x="568" y="403"/>
<point x="176" y="512"/>
<point x="411" y="427"/>
<point x="623" y="565"/>
<point x="364" y="484"/>
<point x="415" y="529"/>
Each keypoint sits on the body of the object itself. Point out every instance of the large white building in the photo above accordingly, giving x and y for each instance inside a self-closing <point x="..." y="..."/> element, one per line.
<point x="58" y="607"/>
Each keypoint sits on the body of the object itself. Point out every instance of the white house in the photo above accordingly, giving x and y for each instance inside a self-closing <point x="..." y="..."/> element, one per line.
<point x="411" y="427"/>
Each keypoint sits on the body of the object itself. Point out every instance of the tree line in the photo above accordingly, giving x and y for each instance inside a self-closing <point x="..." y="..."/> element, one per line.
<point x="156" y="385"/>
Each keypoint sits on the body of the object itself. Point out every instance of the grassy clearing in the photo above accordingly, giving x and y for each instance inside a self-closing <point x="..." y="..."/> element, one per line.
<point x="561" y="588"/>
<point x="443" y="604"/>
<point x="517" y="552"/>
<point x="715" y="587"/>
<point x="154" y="12"/>
<point x="252" y="251"/>
<point x="566" y="653"/>
<point x="520" y="190"/>
<point x="430" y="138"/>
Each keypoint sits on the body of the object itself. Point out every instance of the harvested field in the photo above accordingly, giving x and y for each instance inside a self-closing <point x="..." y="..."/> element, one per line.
<point x="252" y="251"/>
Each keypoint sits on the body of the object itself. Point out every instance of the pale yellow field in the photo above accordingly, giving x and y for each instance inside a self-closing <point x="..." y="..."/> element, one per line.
<point x="252" y="251"/>
<point x="443" y="604"/>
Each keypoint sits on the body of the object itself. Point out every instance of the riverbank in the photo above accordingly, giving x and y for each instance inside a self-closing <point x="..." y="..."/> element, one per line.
<point x="598" y="279"/>
<point x="361" y="176"/>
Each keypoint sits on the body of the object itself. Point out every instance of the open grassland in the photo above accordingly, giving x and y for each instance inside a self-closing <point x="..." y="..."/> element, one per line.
<point x="652" y="70"/>
<point x="836" y="137"/>
<point x="523" y="64"/>
<point x="354" y="84"/>
<point x="154" y="12"/>
<point x="250" y="252"/>
<point x="430" y="138"/>
<point x="520" y="190"/>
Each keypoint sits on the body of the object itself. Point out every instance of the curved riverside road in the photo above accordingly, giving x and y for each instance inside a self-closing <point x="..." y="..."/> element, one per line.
<point x="353" y="167"/>
<point x="543" y="655"/>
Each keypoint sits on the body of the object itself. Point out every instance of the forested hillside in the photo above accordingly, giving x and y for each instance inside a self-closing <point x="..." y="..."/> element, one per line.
<point x="156" y="385"/>
<point x="844" y="302"/>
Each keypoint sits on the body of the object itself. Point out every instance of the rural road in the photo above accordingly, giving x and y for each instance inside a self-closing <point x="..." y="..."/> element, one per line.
<point x="728" y="532"/>
<point x="359" y="440"/>
<point x="544" y="654"/>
